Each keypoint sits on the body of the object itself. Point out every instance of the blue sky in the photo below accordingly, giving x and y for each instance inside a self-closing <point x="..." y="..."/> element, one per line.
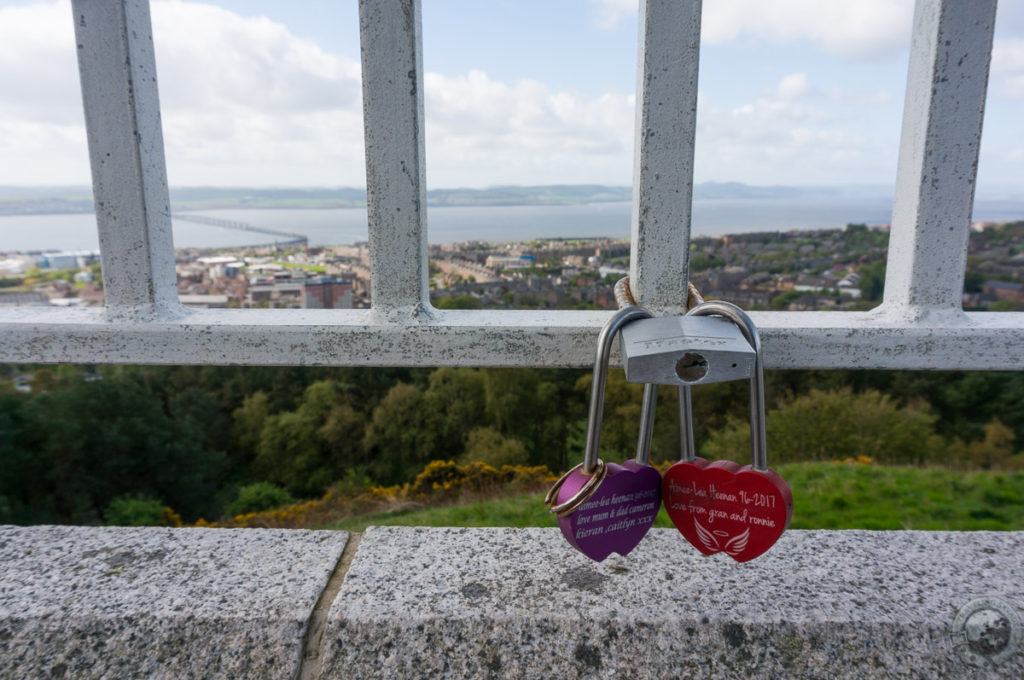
<point x="267" y="93"/>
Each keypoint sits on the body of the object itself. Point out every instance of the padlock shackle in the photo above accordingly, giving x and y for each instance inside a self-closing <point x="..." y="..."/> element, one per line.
<point x="643" y="444"/>
<point x="758" y="439"/>
<point x="604" y="347"/>
<point x="686" y="443"/>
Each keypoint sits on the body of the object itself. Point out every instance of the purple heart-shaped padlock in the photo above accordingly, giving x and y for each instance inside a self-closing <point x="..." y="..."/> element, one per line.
<point x="619" y="513"/>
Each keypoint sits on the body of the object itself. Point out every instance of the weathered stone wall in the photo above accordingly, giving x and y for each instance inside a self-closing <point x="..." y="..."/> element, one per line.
<point x="85" y="602"/>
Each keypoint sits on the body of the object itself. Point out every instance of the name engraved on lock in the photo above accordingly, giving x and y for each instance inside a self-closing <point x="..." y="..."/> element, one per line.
<point x="655" y="351"/>
<point x="711" y="504"/>
<point x="618" y="514"/>
<point x="728" y="509"/>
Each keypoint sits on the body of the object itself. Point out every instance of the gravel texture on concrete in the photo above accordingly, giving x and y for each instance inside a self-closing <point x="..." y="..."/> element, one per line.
<point x="88" y="602"/>
<point x="521" y="603"/>
<point x="106" y="602"/>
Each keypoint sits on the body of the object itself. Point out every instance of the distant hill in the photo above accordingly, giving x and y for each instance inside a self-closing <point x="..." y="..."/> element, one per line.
<point x="50" y="200"/>
<point x="45" y="200"/>
<point x="196" y="198"/>
<point x="556" y="194"/>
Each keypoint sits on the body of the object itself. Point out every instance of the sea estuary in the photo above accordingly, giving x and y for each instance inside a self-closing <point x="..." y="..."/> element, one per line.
<point x="448" y="224"/>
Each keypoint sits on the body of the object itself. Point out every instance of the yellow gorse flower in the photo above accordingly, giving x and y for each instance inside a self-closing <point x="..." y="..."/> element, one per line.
<point x="439" y="482"/>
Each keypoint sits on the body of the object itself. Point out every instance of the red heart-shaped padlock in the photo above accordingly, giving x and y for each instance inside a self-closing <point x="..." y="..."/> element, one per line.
<point x="722" y="507"/>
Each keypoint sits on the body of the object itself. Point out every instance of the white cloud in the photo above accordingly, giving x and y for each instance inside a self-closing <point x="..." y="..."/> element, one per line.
<point x="209" y="56"/>
<point x="860" y="98"/>
<point x="36" y="153"/>
<point x="609" y="13"/>
<point x="38" y="64"/>
<point x="793" y="86"/>
<point x="793" y="133"/>
<point x="42" y="134"/>
<point x="524" y="133"/>
<point x="854" y="30"/>
<point x="1008" y="67"/>
<point x="244" y="101"/>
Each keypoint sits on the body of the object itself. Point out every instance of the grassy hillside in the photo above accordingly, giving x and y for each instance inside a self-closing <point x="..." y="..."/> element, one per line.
<point x="826" y="496"/>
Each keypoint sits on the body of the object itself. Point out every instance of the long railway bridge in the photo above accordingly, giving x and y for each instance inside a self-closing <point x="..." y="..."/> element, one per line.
<point x="288" y="238"/>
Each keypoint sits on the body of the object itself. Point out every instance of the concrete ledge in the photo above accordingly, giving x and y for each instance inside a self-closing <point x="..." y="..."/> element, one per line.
<point x="520" y="603"/>
<point x="81" y="602"/>
<point x="87" y="602"/>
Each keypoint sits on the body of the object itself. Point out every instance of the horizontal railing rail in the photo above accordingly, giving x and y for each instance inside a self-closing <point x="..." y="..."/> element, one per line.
<point x="920" y="325"/>
<point x="490" y="338"/>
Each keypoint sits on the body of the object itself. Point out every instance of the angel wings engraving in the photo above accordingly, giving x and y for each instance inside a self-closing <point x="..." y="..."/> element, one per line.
<point x="710" y="540"/>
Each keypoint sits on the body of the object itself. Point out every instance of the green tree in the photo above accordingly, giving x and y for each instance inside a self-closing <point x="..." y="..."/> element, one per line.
<point x="248" y="421"/>
<point x="859" y="238"/>
<point x="458" y="396"/>
<point x="872" y="281"/>
<point x="967" y="400"/>
<point x="134" y="510"/>
<point x="297" y="451"/>
<point x="994" y="452"/>
<point x="973" y="281"/>
<point x="44" y="380"/>
<point x="459" y="302"/>
<point x="99" y="440"/>
<point x="834" y="425"/>
<point x="523" y="405"/>
<point x="200" y="414"/>
<point x="342" y="431"/>
<point x="700" y="262"/>
<point x="487" y="445"/>
<point x="25" y="496"/>
<point x="403" y="435"/>
<point x="258" y="497"/>
<point x="782" y="300"/>
<point x="621" y="418"/>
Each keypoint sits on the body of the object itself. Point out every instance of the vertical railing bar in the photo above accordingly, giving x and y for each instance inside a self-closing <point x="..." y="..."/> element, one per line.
<point x="117" y="67"/>
<point x="390" y="34"/>
<point x="938" y="161"/>
<point x="666" y="122"/>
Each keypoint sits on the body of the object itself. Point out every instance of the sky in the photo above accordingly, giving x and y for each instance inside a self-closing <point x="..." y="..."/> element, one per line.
<point x="267" y="93"/>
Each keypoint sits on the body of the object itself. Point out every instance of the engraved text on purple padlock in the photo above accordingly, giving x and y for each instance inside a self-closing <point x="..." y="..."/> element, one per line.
<point x="618" y="515"/>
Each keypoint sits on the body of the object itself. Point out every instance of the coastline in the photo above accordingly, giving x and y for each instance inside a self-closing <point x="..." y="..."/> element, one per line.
<point x="499" y="224"/>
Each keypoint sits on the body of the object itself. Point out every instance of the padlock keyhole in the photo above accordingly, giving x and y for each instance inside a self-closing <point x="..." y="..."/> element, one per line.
<point x="691" y="367"/>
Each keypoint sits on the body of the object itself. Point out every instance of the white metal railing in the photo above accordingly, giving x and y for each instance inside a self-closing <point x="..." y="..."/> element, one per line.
<point x="920" y="324"/>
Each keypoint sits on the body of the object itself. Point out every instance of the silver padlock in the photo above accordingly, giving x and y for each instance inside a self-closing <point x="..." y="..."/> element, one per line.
<point x="685" y="350"/>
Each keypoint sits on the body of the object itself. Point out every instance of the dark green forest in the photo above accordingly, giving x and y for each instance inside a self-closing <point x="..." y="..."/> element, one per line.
<point x="76" y="442"/>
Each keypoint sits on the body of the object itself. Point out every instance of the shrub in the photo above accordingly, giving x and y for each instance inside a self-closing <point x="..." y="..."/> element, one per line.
<point x="134" y="511"/>
<point x="487" y="445"/>
<point x="258" y="497"/>
<point x="836" y="425"/>
<point x="994" y="452"/>
<point x="439" y="483"/>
